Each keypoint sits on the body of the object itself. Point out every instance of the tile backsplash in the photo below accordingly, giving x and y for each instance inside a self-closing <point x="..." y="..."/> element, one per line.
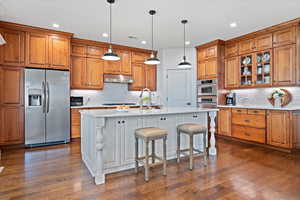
<point x="111" y="93"/>
<point x="249" y="97"/>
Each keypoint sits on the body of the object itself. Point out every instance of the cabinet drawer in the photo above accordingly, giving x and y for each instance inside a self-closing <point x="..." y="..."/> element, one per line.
<point x="256" y="121"/>
<point x="256" y="112"/>
<point x="250" y="134"/>
<point x="240" y="111"/>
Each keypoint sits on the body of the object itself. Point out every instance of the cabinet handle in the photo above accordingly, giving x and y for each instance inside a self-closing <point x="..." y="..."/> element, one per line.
<point x="247" y="121"/>
<point x="238" y="111"/>
<point x="247" y="134"/>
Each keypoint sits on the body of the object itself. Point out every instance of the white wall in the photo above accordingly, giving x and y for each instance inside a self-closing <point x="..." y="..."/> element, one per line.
<point x="169" y="60"/>
<point x="259" y="96"/>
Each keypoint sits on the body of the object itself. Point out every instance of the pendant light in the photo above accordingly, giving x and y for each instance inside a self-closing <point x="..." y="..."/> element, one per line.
<point x="110" y="55"/>
<point x="153" y="60"/>
<point x="184" y="64"/>
<point x="2" y="41"/>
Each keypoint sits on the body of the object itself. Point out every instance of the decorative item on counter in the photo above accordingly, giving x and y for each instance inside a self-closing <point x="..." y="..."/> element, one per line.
<point x="122" y="108"/>
<point x="280" y="98"/>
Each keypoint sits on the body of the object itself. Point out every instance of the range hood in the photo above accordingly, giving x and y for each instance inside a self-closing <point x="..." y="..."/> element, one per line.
<point x="109" y="78"/>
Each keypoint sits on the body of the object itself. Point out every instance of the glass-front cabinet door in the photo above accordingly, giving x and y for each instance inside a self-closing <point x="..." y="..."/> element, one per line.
<point x="263" y="68"/>
<point x="246" y="70"/>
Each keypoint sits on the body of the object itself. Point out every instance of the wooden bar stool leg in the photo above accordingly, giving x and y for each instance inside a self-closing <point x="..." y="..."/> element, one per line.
<point x="204" y="149"/>
<point x="191" y="151"/>
<point x="178" y="146"/>
<point x="165" y="156"/>
<point x="147" y="161"/>
<point x="153" y="151"/>
<point x="136" y="155"/>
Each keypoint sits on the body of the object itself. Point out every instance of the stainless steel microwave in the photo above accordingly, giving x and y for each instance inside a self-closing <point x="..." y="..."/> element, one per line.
<point x="207" y="87"/>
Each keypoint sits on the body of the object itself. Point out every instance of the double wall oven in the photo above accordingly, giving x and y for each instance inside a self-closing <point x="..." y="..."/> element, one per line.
<point x="207" y="92"/>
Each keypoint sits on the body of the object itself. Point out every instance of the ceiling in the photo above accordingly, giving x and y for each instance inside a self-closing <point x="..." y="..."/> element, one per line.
<point x="208" y="19"/>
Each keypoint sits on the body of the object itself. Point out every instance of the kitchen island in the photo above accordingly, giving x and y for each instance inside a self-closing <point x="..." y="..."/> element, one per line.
<point x="107" y="136"/>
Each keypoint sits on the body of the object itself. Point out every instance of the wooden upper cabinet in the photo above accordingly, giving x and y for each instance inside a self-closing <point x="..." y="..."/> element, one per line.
<point x="232" y="72"/>
<point x="125" y="62"/>
<point x="201" y="70"/>
<point x="78" y="49"/>
<point x="207" y="53"/>
<point x="279" y="129"/>
<point x="11" y="86"/>
<point x="224" y="122"/>
<point x="284" y="37"/>
<point x="59" y="52"/>
<point x="113" y="67"/>
<point x="264" y="42"/>
<point x="284" y="69"/>
<point x="201" y="54"/>
<point x="231" y="50"/>
<point x="138" y="76"/>
<point x="78" y="65"/>
<point x="12" y="53"/>
<point x="150" y="77"/>
<point x="211" y="52"/>
<point x="138" y="57"/>
<point x="94" y="73"/>
<point x="11" y="125"/>
<point x="37" y="50"/>
<point x="94" y="52"/>
<point x="246" y="46"/>
<point x="211" y="68"/>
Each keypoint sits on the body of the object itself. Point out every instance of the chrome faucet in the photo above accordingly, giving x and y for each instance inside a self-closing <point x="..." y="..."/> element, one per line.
<point x="141" y="98"/>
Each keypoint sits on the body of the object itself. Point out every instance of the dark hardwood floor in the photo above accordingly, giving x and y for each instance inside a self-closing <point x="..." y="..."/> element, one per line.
<point x="240" y="171"/>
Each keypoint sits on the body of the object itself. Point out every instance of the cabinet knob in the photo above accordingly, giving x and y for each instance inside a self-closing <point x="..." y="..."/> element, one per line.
<point x="119" y="122"/>
<point x="123" y="122"/>
<point x="248" y="121"/>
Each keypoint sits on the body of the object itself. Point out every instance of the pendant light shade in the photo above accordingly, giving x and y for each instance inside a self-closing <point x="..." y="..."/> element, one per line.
<point x="184" y="64"/>
<point x="153" y="60"/>
<point x="2" y="41"/>
<point x="110" y="55"/>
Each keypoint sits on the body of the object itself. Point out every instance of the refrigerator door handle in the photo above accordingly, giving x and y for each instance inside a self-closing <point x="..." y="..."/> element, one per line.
<point x="44" y="96"/>
<point x="47" y="95"/>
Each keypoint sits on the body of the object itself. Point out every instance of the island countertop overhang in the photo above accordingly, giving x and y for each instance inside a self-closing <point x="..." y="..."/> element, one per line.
<point x="137" y="112"/>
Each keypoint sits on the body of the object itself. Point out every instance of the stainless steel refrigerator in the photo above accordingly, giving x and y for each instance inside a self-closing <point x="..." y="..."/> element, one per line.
<point x="47" y="107"/>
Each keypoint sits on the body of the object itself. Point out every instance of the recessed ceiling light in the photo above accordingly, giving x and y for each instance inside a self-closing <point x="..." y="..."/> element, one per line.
<point x="144" y="42"/>
<point x="187" y="42"/>
<point x="233" y="25"/>
<point x="104" y="34"/>
<point x="55" y="25"/>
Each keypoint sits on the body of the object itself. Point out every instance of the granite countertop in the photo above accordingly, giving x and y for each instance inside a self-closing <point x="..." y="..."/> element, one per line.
<point x="260" y="107"/>
<point x="137" y="112"/>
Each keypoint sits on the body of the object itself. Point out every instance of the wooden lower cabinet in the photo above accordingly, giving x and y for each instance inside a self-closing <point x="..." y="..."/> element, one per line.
<point x="280" y="129"/>
<point x="11" y="125"/>
<point x="224" y="122"/>
<point x="249" y="133"/>
<point x="276" y="128"/>
<point x="75" y="123"/>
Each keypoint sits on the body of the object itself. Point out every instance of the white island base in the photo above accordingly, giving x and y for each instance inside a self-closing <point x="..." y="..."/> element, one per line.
<point x="107" y="136"/>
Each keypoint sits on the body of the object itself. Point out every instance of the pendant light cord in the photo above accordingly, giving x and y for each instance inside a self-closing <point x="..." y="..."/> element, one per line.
<point x="110" y="24"/>
<point x="152" y="34"/>
<point x="184" y="41"/>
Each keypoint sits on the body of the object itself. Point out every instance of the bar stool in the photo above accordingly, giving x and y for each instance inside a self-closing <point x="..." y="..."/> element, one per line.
<point x="147" y="135"/>
<point x="191" y="129"/>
